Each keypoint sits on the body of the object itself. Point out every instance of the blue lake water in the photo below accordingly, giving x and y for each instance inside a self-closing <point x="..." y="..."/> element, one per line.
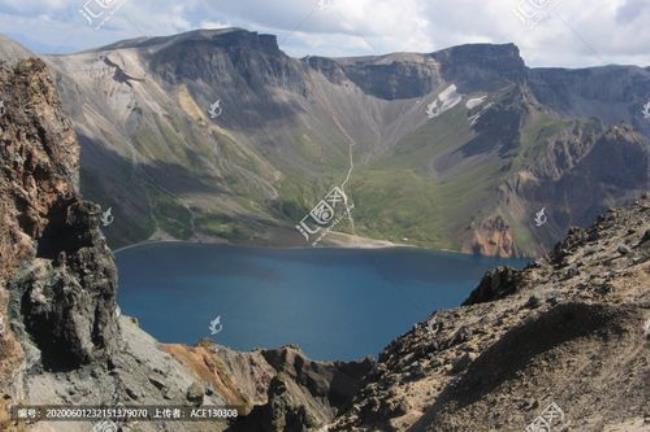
<point x="335" y="304"/>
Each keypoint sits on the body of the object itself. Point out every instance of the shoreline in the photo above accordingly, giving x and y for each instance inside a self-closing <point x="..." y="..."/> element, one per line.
<point x="337" y="241"/>
<point x="378" y="245"/>
<point x="307" y="246"/>
<point x="147" y="242"/>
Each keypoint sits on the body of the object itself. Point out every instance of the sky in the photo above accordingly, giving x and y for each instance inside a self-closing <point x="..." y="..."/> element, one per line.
<point x="562" y="33"/>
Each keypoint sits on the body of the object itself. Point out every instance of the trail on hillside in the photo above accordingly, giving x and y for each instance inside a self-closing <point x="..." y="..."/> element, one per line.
<point x="351" y="144"/>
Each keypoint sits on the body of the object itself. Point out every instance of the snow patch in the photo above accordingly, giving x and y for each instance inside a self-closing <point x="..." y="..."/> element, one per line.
<point x="473" y="119"/>
<point x="474" y="102"/>
<point x="446" y="100"/>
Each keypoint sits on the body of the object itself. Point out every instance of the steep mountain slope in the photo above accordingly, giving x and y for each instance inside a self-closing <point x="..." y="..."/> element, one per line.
<point x="457" y="149"/>
<point x="572" y="330"/>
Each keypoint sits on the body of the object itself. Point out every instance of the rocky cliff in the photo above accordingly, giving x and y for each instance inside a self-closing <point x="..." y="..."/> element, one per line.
<point x="571" y="329"/>
<point x="62" y="280"/>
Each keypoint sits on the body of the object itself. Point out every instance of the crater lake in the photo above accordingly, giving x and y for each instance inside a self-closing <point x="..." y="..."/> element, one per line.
<point x="335" y="304"/>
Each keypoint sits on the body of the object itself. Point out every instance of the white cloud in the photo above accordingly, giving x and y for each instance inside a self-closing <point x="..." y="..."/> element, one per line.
<point x="578" y="32"/>
<point x="28" y="6"/>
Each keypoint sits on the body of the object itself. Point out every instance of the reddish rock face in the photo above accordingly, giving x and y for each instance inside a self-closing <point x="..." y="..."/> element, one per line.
<point x="492" y="237"/>
<point x="60" y="274"/>
<point x="39" y="159"/>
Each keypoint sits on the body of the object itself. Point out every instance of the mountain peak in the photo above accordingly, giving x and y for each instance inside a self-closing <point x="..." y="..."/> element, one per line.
<point x="476" y="65"/>
<point x="221" y="37"/>
<point x="483" y="50"/>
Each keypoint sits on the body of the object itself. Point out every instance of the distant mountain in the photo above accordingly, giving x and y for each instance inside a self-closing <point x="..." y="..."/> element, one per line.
<point x="464" y="149"/>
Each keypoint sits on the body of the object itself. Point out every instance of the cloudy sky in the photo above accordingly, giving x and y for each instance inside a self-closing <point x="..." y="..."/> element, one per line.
<point x="570" y="33"/>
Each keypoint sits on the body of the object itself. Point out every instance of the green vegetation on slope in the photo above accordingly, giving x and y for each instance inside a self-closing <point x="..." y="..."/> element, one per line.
<point x="404" y="196"/>
<point x="170" y="215"/>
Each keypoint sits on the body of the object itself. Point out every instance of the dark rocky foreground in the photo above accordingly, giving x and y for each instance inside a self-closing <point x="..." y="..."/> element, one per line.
<point x="571" y="329"/>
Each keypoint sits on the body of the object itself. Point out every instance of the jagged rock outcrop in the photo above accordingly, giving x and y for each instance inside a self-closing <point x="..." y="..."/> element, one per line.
<point x="492" y="237"/>
<point x="588" y="160"/>
<point x="279" y="390"/>
<point x="64" y="296"/>
<point x="568" y="329"/>
<point x="67" y="303"/>
<point x="303" y="395"/>
<point x="496" y="284"/>
<point x="498" y="64"/>
<point x="283" y="411"/>
<point x="39" y="159"/>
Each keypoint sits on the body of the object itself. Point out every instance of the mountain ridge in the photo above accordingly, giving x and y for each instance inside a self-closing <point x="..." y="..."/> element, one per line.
<point x="421" y="129"/>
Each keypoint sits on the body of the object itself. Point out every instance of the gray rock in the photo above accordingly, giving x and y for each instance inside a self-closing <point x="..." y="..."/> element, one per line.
<point x="571" y="272"/>
<point x="68" y="309"/>
<point x="605" y="289"/>
<point x="624" y="249"/>
<point x="646" y="237"/>
<point x="462" y="362"/>
<point x="195" y="394"/>
<point x="532" y="303"/>
<point x="131" y="393"/>
<point x="157" y="383"/>
<point x="496" y="284"/>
